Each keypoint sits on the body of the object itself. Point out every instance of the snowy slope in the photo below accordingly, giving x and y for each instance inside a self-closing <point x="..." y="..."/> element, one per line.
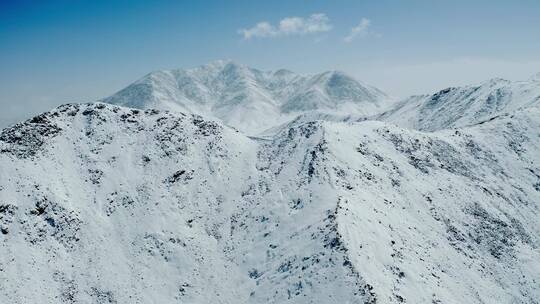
<point x="106" y="204"/>
<point x="249" y="99"/>
<point x="259" y="102"/>
<point x="463" y="106"/>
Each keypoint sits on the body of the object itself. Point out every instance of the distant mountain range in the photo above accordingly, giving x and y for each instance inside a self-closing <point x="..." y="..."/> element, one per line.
<point x="283" y="188"/>
<point x="249" y="99"/>
<point x="463" y="106"/>
<point x="255" y="101"/>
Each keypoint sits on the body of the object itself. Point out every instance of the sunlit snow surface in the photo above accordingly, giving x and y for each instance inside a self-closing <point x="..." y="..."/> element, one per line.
<point x="248" y="99"/>
<point x="464" y="106"/>
<point x="106" y="204"/>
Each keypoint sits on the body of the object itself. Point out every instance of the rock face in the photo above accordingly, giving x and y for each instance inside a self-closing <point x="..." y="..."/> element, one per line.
<point x="107" y="204"/>
<point x="249" y="99"/>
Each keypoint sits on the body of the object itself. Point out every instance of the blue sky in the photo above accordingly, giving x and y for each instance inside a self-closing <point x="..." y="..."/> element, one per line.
<point x="52" y="52"/>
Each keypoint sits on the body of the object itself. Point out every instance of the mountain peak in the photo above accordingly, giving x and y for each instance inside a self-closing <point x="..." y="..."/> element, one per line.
<point x="339" y="77"/>
<point x="495" y="81"/>
<point x="283" y="72"/>
<point x="247" y="98"/>
<point x="216" y="64"/>
<point x="463" y="106"/>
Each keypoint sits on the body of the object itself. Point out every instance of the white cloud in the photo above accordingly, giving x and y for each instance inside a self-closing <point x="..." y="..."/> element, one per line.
<point x="316" y="23"/>
<point x="261" y="29"/>
<point x="361" y="30"/>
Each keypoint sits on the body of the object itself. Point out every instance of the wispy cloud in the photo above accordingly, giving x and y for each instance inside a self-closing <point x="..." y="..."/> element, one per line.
<point x="316" y="23"/>
<point x="361" y="30"/>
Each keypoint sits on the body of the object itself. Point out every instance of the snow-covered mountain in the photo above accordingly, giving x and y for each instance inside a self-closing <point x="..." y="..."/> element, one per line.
<point x="463" y="106"/>
<point x="283" y="188"/>
<point x="249" y="99"/>
<point x="106" y="204"/>
<point x="257" y="102"/>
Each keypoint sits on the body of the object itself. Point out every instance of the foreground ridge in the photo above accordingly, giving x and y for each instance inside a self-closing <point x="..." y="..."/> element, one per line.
<point x="101" y="203"/>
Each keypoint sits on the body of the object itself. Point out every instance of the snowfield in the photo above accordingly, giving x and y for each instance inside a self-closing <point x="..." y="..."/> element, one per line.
<point x="436" y="200"/>
<point x="463" y="106"/>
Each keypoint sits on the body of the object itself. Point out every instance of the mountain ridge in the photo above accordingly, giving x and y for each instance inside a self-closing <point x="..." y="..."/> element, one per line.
<point x="246" y="98"/>
<point x="434" y="200"/>
<point x="323" y="211"/>
<point x="463" y="106"/>
<point x="256" y="101"/>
